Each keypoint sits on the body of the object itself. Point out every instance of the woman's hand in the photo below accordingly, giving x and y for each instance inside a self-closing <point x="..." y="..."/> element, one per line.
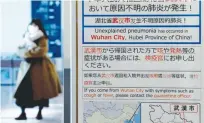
<point x="39" y="51"/>
<point x="20" y="47"/>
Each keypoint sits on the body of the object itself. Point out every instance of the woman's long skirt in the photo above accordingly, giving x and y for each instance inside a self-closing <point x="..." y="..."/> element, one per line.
<point x="24" y="94"/>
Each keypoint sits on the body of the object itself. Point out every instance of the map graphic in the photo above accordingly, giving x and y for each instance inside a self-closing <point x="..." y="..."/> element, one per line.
<point x="136" y="112"/>
<point x="111" y="112"/>
<point x="170" y="113"/>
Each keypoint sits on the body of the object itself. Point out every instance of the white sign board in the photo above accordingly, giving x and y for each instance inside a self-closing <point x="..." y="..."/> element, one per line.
<point x="139" y="61"/>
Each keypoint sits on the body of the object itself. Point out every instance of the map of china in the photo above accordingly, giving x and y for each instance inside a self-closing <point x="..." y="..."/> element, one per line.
<point x="159" y="115"/>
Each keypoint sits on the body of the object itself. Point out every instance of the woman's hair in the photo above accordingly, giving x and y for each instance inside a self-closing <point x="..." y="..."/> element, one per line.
<point x="40" y="25"/>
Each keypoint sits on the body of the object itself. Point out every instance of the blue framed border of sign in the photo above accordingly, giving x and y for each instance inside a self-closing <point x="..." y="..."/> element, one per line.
<point x="193" y="26"/>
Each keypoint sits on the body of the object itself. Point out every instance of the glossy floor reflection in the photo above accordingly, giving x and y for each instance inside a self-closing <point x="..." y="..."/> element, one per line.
<point x="53" y="114"/>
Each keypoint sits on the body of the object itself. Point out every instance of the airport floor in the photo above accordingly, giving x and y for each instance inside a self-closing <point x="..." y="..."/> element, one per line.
<point x="53" y="114"/>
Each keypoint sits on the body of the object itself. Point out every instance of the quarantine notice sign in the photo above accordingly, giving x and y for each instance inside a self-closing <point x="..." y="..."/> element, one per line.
<point x="139" y="61"/>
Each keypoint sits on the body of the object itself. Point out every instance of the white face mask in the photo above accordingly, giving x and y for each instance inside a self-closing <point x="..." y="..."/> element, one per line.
<point x="32" y="29"/>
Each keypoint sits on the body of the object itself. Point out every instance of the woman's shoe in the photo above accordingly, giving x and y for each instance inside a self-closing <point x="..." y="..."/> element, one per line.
<point x="39" y="116"/>
<point x="22" y="117"/>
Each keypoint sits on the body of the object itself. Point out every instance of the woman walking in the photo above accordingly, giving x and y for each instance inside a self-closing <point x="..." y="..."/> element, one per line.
<point x="37" y="79"/>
